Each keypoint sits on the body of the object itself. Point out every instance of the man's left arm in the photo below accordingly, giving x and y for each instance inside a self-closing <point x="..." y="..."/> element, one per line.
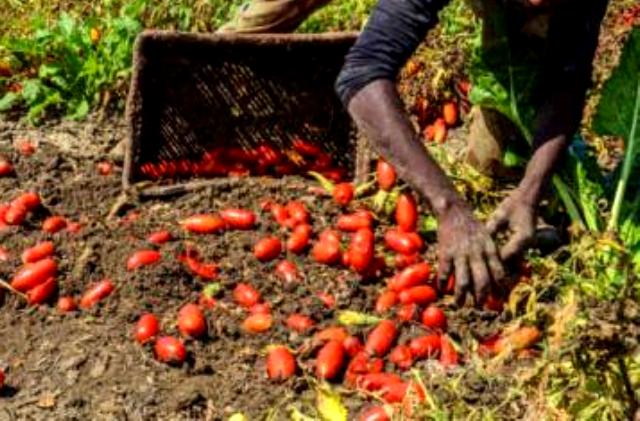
<point x="573" y="39"/>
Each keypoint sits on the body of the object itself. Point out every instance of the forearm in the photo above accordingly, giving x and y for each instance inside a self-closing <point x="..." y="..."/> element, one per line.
<point x="379" y="113"/>
<point x="540" y="169"/>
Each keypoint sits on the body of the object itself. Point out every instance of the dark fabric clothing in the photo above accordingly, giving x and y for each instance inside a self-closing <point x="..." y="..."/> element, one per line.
<point x="394" y="30"/>
<point x="565" y="46"/>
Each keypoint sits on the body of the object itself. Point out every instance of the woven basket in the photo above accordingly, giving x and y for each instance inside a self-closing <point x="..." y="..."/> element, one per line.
<point x="192" y="92"/>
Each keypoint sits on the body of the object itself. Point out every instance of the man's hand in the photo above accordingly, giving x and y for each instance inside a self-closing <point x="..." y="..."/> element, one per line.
<point x="518" y="215"/>
<point x="465" y="246"/>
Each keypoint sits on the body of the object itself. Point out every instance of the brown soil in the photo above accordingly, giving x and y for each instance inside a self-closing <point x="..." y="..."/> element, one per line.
<point x="86" y="365"/>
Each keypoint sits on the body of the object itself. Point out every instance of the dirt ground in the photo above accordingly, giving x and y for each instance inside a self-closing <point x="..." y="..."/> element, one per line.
<point x="85" y="365"/>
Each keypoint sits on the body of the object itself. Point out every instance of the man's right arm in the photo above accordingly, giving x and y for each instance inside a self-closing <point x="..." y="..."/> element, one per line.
<point x="367" y="87"/>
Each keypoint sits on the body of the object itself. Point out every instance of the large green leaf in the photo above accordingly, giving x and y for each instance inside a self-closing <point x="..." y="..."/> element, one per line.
<point x="618" y="114"/>
<point x="503" y="75"/>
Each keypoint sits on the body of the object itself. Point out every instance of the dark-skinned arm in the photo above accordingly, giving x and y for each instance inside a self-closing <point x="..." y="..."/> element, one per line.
<point x="567" y="74"/>
<point x="367" y="87"/>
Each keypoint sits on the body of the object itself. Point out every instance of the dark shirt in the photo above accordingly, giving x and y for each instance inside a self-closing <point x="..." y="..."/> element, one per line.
<point x="397" y="27"/>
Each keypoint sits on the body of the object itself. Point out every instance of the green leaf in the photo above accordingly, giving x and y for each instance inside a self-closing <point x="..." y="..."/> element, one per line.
<point x="585" y="181"/>
<point x="325" y="183"/>
<point x="503" y="76"/>
<point x="212" y="289"/>
<point x="354" y="318"/>
<point x="618" y="114"/>
<point x="330" y="405"/>
<point x="80" y="111"/>
<point x="8" y="101"/>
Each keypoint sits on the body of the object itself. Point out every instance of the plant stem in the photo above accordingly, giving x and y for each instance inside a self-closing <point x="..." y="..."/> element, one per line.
<point x="6" y="285"/>
<point x="627" y="166"/>
<point x="567" y="200"/>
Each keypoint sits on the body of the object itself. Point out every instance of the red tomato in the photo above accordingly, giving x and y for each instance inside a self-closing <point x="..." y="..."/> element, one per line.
<point x="267" y="249"/>
<point x="439" y="131"/>
<point x="287" y="271"/>
<point x="327" y="299"/>
<point x="26" y="147"/>
<point x="306" y="148"/>
<point x="407" y="312"/>
<point x="353" y="346"/>
<point x="425" y="346"/>
<point x="38" y="252"/>
<point x="203" y="224"/>
<point x="355" y="221"/>
<point x="299" y="239"/>
<point x="361" y="250"/>
<point x="343" y="193"/>
<point x="241" y="219"/>
<point x="206" y="301"/>
<point x="96" y="293"/>
<point x="54" y="224"/>
<point x="42" y="293"/>
<point x="374" y="382"/>
<point x="327" y="250"/>
<point x="406" y="213"/>
<point x="297" y="214"/>
<point x="257" y="323"/>
<point x="402" y="357"/>
<point x="407" y="243"/>
<point x="15" y="214"/>
<point x="386" y="175"/>
<point x="260" y="308"/>
<point x="146" y="328"/>
<point x="299" y="322"/>
<point x="280" y="214"/>
<point x="170" y="350"/>
<point x="104" y="168"/>
<point x="330" y="360"/>
<point x="159" y="237"/>
<point x="30" y="200"/>
<point x="33" y="274"/>
<point x="448" y="354"/>
<point x="493" y="303"/>
<point x="450" y="113"/>
<point x="246" y="295"/>
<point x="67" y="304"/>
<point x="281" y="364"/>
<point x="6" y="169"/>
<point x="1" y="379"/>
<point x="434" y="318"/>
<point x="421" y="295"/>
<point x="409" y="277"/>
<point x="332" y="333"/>
<point x="142" y="258"/>
<point x="403" y="260"/>
<point x="360" y="364"/>
<point x="386" y="300"/>
<point x="399" y="392"/>
<point x="381" y="338"/>
<point x="191" y="321"/>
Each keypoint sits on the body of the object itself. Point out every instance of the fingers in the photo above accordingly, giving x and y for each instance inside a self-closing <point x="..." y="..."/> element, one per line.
<point x="445" y="266"/>
<point x="496" y="268"/>
<point x="481" y="278"/>
<point x="463" y="282"/>
<point x="516" y="244"/>
<point x="497" y="221"/>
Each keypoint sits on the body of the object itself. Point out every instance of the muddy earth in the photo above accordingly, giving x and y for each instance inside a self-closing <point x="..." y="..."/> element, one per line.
<point x="85" y="365"/>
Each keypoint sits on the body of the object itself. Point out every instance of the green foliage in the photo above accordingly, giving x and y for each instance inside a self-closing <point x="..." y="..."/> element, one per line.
<point x="619" y="115"/>
<point x="340" y="15"/>
<point x="68" y="71"/>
